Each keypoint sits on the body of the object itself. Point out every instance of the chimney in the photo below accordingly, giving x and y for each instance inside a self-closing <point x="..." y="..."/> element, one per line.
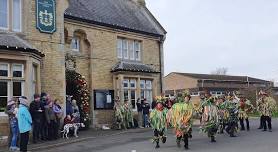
<point x="140" y="2"/>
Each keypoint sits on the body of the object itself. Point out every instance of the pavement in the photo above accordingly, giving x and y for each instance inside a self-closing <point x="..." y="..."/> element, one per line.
<point x="139" y="140"/>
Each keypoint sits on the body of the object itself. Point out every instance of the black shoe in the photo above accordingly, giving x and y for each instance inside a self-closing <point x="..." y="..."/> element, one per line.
<point x="157" y="146"/>
<point x="270" y="130"/>
<point x="212" y="139"/>
<point x="186" y="147"/>
<point x="242" y="129"/>
<point x="179" y="143"/>
<point x="260" y="128"/>
<point x="233" y="136"/>
<point x="163" y="140"/>
<point x="264" y="130"/>
<point x="248" y="129"/>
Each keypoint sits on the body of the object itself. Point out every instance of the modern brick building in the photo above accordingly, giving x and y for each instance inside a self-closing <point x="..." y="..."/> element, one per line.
<point x="215" y="84"/>
<point x="117" y="45"/>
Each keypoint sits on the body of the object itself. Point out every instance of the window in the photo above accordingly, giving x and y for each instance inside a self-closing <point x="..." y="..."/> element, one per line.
<point x="104" y="99"/>
<point x="146" y="90"/>
<point x="133" y="84"/>
<point x="17" y="15"/>
<point x="34" y="79"/>
<point x="125" y="83"/>
<point x="119" y="48"/>
<point x="131" y="50"/>
<point x="75" y="44"/>
<point x="17" y="70"/>
<point x="125" y="49"/>
<point x="129" y="92"/>
<point x="3" y="95"/>
<point x="17" y="89"/>
<point x="12" y="85"/>
<point x="14" y="17"/>
<point x="4" y="69"/>
<point x="128" y="49"/>
<point x="137" y="48"/>
<point x="4" y="5"/>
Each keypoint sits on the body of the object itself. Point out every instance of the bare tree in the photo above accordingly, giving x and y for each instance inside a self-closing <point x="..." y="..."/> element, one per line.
<point x="220" y="71"/>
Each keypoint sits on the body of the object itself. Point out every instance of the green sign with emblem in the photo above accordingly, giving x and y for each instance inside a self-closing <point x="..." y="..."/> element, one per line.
<point x="46" y="15"/>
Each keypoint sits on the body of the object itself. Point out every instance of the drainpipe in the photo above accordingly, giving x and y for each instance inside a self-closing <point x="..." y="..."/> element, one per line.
<point x="161" y="62"/>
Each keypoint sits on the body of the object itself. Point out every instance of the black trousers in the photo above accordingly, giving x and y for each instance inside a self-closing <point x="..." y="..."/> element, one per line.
<point x="52" y="130"/>
<point x="24" y="139"/>
<point x="157" y="134"/>
<point x="261" y="122"/>
<point x="36" y="130"/>
<point x="267" y="119"/>
<point x="185" y="139"/>
<point x="241" y="120"/>
<point x="44" y="129"/>
<point x="231" y="129"/>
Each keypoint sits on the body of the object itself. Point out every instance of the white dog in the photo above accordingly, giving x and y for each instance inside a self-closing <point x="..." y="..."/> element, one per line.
<point x="75" y="127"/>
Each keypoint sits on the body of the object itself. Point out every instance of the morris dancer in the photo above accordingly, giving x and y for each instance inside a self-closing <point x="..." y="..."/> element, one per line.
<point x="245" y="107"/>
<point x="180" y="118"/>
<point x="158" y="121"/>
<point x="119" y="114"/>
<point x="210" y="119"/>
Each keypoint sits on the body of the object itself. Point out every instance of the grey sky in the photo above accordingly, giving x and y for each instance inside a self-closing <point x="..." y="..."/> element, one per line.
<point x="203" y="35"/>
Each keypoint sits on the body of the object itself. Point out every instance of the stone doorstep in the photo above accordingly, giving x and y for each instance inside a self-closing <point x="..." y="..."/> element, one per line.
<point x="83" y="136"/>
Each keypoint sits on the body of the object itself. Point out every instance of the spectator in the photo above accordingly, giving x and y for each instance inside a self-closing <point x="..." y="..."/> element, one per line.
<point x="36" y="110"/>
<point x="76" y="113"/>
<point x="44" y="130"/>
<point x="69" y="109"/>
<point x="140" y="113"/>
<point x="146" y="112"/>
<point x="153" y="104"/>
<point x="24" y="123"/>
<point x="12" y="113"/>
<point x="51" y="121"/>
<point x="59" y="114"/>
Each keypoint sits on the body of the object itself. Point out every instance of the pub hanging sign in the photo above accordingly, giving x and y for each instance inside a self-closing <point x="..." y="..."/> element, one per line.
<point x="46" y="16"/>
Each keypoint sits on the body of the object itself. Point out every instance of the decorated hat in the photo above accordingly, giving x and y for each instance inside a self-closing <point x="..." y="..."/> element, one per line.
<point x="160" y="99"/>
<point x="262" y="93"/>
<point x="186" y="93"/>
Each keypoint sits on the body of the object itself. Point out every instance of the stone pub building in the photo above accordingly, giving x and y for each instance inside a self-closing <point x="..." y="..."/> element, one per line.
<point x="116" y="45"/>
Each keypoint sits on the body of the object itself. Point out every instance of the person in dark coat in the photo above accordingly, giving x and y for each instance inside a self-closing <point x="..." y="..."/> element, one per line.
<point x="36" y="110"/>
<point x="146" y="112"/>
<point x="140" y="112"/>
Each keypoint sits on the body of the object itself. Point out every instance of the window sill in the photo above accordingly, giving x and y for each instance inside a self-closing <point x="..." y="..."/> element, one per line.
<point x="3" y="114"/>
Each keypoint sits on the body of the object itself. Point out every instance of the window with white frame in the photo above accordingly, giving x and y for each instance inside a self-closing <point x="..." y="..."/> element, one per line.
<point x="75" y="44"/>
<point x="146" y="90"/>
<point x="129" y="49"/>
<point x="11" y="82"/>
<point x="4" y="69"/>
<point x="4" y="15"/>
<point x="13" y="16"/>
<point x="16" y="15"/>
<point x="34" y="79"/>
<point x="129" y="92"/>
<point x="137" y="49"/>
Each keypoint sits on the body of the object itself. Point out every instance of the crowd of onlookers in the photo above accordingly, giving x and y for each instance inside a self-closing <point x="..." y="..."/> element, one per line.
<point x="43" y="116"/>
